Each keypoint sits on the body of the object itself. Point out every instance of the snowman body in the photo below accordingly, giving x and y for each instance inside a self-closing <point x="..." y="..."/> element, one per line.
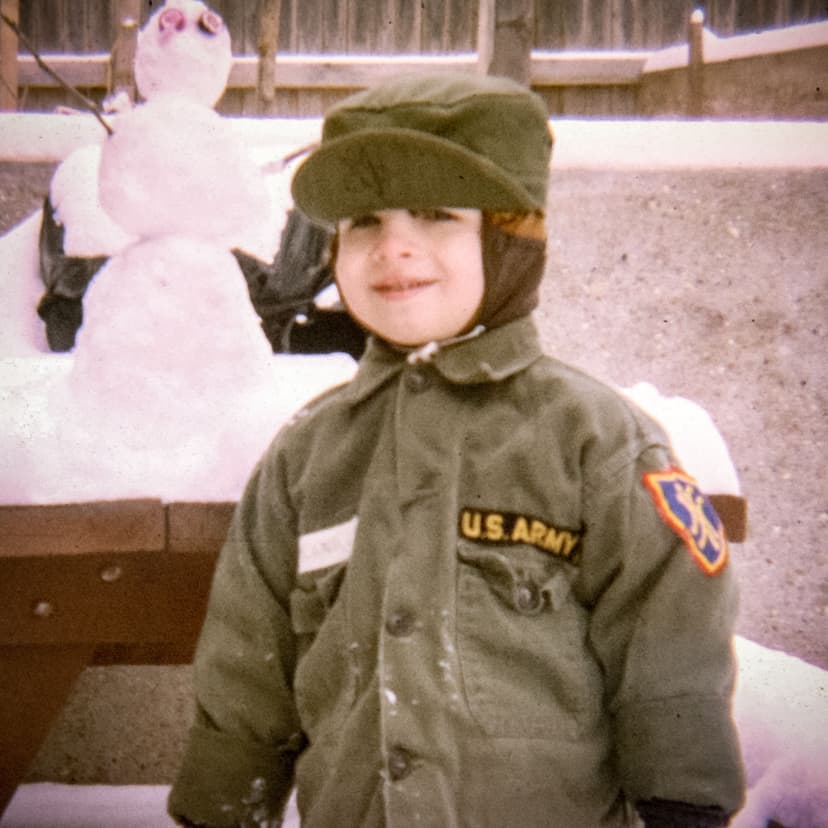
<point x="171" y="347"/>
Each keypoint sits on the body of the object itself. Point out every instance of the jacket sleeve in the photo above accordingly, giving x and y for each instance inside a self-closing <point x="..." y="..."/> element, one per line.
<point x="237" y="767"/>
<point x="661" y="627"/>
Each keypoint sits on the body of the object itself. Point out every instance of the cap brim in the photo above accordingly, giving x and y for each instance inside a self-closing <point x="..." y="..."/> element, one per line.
<point x="393" y="168"/>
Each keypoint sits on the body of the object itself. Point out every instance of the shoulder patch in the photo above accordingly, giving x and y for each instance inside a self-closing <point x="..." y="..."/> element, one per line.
<point x="689" y="513"/>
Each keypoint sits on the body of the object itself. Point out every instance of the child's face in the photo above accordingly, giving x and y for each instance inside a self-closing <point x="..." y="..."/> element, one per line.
<point x="412" y="276"/>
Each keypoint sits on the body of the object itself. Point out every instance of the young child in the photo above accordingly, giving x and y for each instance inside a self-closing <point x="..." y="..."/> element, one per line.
<point x="469" y="588"/>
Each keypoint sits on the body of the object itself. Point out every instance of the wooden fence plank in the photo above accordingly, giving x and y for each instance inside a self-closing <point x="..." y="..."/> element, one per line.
<point x="331" y="25"/>
<point x="8" y="56"/>
<point x="122" y="75"/>
<point x="84" y="71"/>
<point x="587" y="69"/>
<point x="695" y="68"/>
<point x="347" y="72"/>
<point x="436" y="32"/>
<point x="48" y="26"/>
<point x="403" y="32"/>
<point x="722" y="15"/>
<point x="342" y="72"/>
<point x="513" y="33"/>
<point x="267" y="42"/>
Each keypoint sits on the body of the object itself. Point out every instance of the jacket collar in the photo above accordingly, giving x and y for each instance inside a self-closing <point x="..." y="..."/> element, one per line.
<point x="491" y="356"/>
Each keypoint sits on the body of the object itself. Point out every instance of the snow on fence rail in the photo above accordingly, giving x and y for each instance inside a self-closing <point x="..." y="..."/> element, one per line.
<point x="580" y="144"/>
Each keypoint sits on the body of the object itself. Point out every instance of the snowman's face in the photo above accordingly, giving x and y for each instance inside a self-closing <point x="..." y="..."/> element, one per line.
<point x="173" y="19"/>
<point x="183" y="50"/>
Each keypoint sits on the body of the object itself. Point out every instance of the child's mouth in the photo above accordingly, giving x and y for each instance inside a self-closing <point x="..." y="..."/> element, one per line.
<point x="402" y="288"/>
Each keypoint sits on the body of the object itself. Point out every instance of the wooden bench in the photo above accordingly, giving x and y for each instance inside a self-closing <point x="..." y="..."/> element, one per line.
<point x="118" y="582"/>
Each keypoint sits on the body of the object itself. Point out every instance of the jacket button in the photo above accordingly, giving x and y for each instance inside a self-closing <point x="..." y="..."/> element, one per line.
<point x="400" y="623"/>
<point x="528" y="598"/>
<point x="417" y="381"/>
<point x="399" y="763"/>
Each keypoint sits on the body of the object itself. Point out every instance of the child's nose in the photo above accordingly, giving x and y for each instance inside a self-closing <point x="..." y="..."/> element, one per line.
<point x="397" y="236"/>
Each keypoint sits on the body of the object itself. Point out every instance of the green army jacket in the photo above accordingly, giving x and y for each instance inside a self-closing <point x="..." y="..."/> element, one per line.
<point x="457" y="592"/>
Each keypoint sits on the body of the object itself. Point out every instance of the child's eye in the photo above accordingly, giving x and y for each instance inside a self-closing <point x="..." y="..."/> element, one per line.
<point x="434" y="214"/>
<point x="368" y="220"/>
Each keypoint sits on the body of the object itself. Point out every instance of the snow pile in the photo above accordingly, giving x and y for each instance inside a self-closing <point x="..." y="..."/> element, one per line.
<point x="21" y="331"/>
<point x="88" y="229"/>
<point x="739" y="47"/>
<point x="46" y="805"/>
<point x="696" y="441"/>
<point x="172" y="390"/>
<point x="781" y="709"/>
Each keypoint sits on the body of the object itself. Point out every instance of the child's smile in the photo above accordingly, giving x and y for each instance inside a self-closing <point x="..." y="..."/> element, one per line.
<point x="399" y="288"/>
<point x="412" y="276"/>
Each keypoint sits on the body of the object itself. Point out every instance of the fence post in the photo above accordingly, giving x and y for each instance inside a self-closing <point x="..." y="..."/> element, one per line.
<point x="8" y="56"/>
<point x="266" y="45"/>
<point x="122" y="60"/>
<point x="695" y="65"/>
<point x="505" y="32"/>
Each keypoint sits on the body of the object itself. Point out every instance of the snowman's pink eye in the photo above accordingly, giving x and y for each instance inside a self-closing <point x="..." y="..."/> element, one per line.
<point x="172" y="19"/>
<point x="210" y="22"/>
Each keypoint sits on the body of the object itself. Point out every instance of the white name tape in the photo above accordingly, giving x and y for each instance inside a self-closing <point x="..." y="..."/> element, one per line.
<point x="327" y="547"/>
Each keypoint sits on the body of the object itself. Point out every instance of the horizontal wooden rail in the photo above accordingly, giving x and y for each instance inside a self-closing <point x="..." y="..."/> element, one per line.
<point x="350" y="71"/>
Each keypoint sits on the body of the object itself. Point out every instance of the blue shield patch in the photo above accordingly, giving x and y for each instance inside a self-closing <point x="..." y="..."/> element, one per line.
<point x="688" y="512"/>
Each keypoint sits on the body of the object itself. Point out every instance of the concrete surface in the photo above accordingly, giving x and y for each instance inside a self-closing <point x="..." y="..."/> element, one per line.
<point x="711" y="284"/>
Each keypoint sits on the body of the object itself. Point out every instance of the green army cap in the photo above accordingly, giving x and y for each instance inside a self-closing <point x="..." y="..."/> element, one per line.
<point x="430" y="140"/>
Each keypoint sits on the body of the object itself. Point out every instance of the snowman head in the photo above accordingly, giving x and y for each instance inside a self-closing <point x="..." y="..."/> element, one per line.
<point x="183" y="50"/>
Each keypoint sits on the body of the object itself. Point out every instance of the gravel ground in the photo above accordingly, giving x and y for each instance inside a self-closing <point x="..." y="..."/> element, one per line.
<point x="711" y="285"/>
<point x="714" y="286"/>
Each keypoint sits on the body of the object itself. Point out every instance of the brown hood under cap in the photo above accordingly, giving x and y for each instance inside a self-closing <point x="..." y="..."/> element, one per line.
<point x="514" y="260"/>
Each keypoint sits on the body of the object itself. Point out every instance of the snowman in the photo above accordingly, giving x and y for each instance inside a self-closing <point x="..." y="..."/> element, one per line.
<point x="173" y="390"/>
<point x="183" y="52"/>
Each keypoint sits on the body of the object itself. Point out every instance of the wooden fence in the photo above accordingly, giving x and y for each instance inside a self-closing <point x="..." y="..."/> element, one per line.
<point x="425" y="27"/>
<point x="587" y="56"/>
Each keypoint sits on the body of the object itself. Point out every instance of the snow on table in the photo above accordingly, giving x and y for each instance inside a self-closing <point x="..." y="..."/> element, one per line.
<point x="49" y="805"/>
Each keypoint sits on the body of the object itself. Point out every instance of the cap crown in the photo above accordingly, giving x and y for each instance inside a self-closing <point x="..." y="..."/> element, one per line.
<point x="458" y="140"/>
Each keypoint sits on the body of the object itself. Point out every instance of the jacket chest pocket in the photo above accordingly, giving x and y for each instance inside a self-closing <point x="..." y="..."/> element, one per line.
<point x="521" y="639"/>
